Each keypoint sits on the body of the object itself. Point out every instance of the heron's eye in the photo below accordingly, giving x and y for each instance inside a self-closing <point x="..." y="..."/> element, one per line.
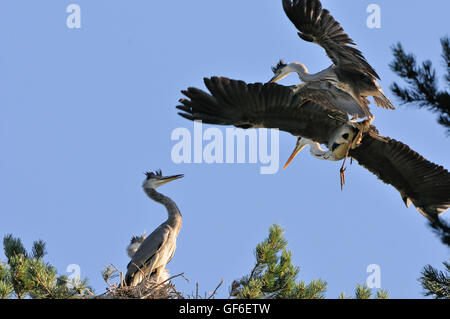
<point x="334" y="147"/>
<point x="149" y="175"/>
<point x="345" y="136"/>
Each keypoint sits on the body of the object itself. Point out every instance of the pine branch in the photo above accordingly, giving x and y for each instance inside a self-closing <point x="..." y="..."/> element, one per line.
<point x="273" y="275"/>
<point x="445" y="43"/>
<point x="6" y="287"/>
<point x="39" y="251"/>
<point x="382" y="294"/>
<point x="363" y="292"/>
<point x="436" y="283"/>
<point x="13" y="247"/>
<point x="442" y="229"/>
<point x="422" y="88"/>
<point x="26" y="275"/>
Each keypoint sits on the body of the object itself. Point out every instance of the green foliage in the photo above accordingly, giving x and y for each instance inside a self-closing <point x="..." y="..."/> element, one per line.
<point x="423" y="89"/>
<point x="422" y="84"/>
<point x="13" y="247"/>
<point x="28" y="276"/>
<point x="364" y="292"/>
<point x="39" y="249"/>
<point x="274" y="276"/>
<point x="442" y="229"/>
<point x="382" y="294"/>
<point x="436" y="283"/>
<point x="6" y="287"/>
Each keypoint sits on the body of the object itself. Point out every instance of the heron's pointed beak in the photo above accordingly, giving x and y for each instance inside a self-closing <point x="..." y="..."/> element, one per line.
<point x="278" y="77"/>
<point x="297" y="150"/>
<point x="274" y="79"/>
<point x="167" y="179"/>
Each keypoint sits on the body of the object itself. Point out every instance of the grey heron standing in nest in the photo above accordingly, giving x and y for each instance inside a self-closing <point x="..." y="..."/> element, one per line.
<point x="270" y="105"/>
<point x="350" y="71"/>
<point x="150" y="256"/>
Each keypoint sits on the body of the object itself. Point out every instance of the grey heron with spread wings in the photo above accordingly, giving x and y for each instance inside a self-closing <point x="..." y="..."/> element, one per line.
<point x="343" y="86"/>
<point x="270" y="105"/>
<point x="150" y="256"/>
<point x="318" y="111"/>
<point x="350" y="73"/>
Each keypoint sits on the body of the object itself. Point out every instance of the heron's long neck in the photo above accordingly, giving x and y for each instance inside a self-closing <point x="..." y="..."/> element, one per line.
<point x="325" y="75"/>
<point x="174" y="219"/>
<point x="315" y="149"/>
<point x="320" y="153"/>
<point x="304" y="75"/>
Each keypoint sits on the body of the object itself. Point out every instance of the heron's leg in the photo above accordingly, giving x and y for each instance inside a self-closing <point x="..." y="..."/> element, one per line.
<point x="137" y="278"/>
<point x="342" y="170"/>
<point x="157" y="274"/>
<point x="362" y="127"/>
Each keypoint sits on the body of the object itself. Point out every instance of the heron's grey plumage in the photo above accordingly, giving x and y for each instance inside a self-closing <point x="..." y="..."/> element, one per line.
<point x="324" y="88"/>
<point x="328" y="95"/>
<point x="355" y="74"/>
<point x="158" y="248"/>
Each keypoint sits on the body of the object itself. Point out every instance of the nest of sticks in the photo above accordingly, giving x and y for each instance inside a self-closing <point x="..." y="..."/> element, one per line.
<point x="147" y="289"/>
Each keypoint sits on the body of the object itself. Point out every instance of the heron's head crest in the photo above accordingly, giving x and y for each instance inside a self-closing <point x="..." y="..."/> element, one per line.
<point x="137" y="239"/>
<point x="150" y="175"/>
<point x="281" y="64"/>
<point x="156" y="179"/>
<point x="134" y="245"/>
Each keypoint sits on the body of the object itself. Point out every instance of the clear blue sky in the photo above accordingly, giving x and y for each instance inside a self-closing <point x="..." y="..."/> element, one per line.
<point x="83" y="113"/>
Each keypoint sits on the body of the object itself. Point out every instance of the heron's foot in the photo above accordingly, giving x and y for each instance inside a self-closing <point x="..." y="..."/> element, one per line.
<point x="363" y="127"/>
<point x="342" y="176"/>
<point x="357" y="140"/>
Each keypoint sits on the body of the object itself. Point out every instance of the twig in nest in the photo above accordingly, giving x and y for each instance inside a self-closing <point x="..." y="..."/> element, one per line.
<point x="168" y="279"/>
<point x="122" y="281"/>
<point x="215" y="290"/>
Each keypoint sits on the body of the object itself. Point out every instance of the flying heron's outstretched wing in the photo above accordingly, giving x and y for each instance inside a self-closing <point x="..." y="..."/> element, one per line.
<point x="318" y="25"/>
<point x="147" y="254"/>
<point x="270" y="105"/>
<point x="232" y="102"/>
<point x="419" y="181"/>
<point x="328" y="95"/>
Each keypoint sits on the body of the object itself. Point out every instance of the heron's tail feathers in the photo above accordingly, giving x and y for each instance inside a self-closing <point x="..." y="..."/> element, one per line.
<point x="156" y="277"/>
<point x="383" y="101"/>
<point x="135" y="279"/>
<point x="432" y="212"/>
